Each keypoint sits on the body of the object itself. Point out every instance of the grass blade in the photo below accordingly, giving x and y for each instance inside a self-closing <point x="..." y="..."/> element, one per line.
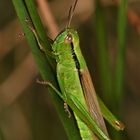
<point x="43" y="64"/>
<point x="120" y="62"/>
<point x="103" y="60"/>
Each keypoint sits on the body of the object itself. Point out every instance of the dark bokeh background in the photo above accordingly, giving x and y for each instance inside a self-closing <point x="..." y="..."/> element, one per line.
<point x="26" y="110"/>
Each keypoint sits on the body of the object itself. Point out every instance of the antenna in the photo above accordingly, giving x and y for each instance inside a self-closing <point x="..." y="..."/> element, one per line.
<point x="71" y="12"/>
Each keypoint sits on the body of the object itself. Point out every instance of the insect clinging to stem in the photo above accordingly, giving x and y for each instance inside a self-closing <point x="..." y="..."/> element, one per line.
<point x="76" y="86"/>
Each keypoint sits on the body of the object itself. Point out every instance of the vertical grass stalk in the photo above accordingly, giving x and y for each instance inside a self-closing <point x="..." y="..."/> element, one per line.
<point x="27" y="10"/>
<point x="103" y="60"/>
<point x="120" y="60"/>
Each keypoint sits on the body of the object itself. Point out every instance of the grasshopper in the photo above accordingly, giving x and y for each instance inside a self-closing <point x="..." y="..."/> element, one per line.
<point x="76" y="86"/>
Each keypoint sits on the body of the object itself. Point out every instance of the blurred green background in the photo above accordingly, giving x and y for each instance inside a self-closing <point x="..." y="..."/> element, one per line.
<point x="26" y="110"/>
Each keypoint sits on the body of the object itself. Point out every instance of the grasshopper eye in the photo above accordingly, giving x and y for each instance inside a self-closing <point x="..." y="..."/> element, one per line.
<point x="68" y="38"/>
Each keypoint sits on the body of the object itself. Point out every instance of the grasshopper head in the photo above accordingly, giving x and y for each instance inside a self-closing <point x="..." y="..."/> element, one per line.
<point x="64" y="39"/>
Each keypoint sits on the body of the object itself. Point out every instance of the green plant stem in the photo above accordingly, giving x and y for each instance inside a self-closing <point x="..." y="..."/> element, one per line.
<point x="120" y="62"/>
<point x="44" y="67"/>
<point x="103" y="60"/>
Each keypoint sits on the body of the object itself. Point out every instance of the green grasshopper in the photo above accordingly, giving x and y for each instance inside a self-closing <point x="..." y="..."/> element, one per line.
<point x="76" y="86"/>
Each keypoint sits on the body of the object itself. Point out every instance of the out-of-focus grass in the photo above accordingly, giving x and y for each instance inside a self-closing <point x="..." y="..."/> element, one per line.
<point x="111" y="85"/>
<point x="120" y="61"/>
<point x="103" y="59"/>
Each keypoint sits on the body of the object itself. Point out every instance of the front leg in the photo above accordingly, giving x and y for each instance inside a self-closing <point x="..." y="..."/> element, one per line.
<point x="39" y="42"/>
<point x="60" y="94"/>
